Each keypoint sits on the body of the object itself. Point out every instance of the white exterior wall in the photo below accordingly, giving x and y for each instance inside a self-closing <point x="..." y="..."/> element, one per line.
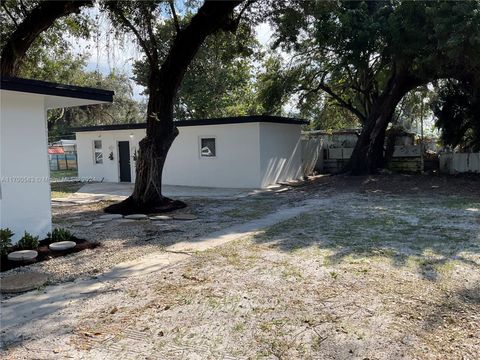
<point x="109" y="171"/>
<point x="280" y="153"/>
<point x="248" y="155"/>
<point x="236" y="164"/>
<point x="25" y="179"/>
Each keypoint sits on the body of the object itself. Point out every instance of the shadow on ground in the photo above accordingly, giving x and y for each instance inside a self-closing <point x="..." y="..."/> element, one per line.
<point x="431" y="232"/>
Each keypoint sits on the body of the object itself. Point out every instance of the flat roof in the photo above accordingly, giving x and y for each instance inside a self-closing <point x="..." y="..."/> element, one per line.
<point x="54" y="89"/>
<point x="334" y="132"/>
<point x="199" y="122"/>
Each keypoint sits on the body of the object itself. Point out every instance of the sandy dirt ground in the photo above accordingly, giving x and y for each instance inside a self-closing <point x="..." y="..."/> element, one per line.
<point x="120" y="242"/>
<point x="386" y="267"/>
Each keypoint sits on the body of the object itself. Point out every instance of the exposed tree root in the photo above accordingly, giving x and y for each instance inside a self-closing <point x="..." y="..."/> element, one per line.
<point x="128" y="207"/>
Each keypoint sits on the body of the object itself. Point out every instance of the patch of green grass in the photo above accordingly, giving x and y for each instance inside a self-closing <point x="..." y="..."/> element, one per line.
<point x="457" y="202"/>
<point x="438" y="265"/>
<point x="270" y="325"/>
<point x="252" y="209"/>
<point x="233" y="259"/>
<point x="291" y="271"/>
<point x="362" y="271"/>
<point x="63" y="189"/>
<point x="239" y="327"/>
<point x="58" y="174"/>
<point x="215" y="301"/>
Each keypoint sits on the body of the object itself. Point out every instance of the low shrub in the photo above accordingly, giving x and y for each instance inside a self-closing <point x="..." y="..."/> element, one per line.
<point x="5" y="241"/>
<point x="28" y="242"/>
<point x="61" y="234"/>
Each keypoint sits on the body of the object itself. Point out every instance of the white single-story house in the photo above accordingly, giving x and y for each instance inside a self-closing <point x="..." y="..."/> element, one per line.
<point x="232" y="152"/>
<point x="25" y="203"/>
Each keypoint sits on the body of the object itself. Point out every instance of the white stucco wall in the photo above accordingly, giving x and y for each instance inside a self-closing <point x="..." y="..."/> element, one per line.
<point x="248" y="155"/>
<point x="25" y="185"/>
<point x="236" y="164"/>
<point x="280" y="153"/>
<point x="109" y="170"/>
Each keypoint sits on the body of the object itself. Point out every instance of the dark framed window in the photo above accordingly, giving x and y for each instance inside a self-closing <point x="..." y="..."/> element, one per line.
<point x="97" y="150"/>
<point x="207" y="147"/>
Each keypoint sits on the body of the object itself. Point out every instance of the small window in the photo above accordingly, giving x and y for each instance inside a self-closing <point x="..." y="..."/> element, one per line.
<point x="207" y="147"/>
<point x="98" y="154"/>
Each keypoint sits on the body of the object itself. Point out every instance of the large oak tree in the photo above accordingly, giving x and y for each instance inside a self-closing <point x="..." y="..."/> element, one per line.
<point x="165" y="77"/>
<point x="367" y="55"/>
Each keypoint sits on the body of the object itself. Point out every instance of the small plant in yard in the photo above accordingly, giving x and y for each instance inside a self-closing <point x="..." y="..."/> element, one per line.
<point x="5" y="241"/>
<point x="28" y="242"/>
<point x="60" y="234"/>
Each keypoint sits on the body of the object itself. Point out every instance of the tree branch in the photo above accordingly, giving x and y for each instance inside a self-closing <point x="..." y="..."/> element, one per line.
<point x="23" y="8"/>
<point x="232" y="24"/>
<point x="247" y="5"/>
<point x="38" y="20"/>
<point x="153" y="39"/>
<point x="118" y="12"/>
<point x="174" y="16"/>
<point x="5" y="7"/>
<point x="347" y="105"/>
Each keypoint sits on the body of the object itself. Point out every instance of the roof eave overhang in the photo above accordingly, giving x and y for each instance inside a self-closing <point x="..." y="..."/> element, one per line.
<point x="56" y="90"/>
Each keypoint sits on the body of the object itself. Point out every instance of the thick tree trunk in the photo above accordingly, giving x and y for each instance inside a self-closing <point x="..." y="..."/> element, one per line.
<point x="147" y="196"/>
<point x="161" y="132"/>
<point x="40" y="19"/>
<point x="163" y="86"/>
<point x="368" y="154"/>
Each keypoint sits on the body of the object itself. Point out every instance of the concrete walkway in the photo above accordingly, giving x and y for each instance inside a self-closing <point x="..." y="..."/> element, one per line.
<point x="94" y="192"/>
<point x="34" y="305"/>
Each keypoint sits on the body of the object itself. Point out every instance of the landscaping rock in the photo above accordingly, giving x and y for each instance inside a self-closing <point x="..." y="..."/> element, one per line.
<point x="99" y="221"/>
<point x="160" y="217"/>
<point x="83" y="223"/>
<point x="162" y="226"/>
<point x="136" y="217"/>
<point x="125" y="221"/>
<point x="22" y="282"/>
<point x="185" y="217"/>
<point x="161" y="223"/>
<point x="62" y="245"/>
<point x="110" y="217"/>
<point x="22" y="255"/>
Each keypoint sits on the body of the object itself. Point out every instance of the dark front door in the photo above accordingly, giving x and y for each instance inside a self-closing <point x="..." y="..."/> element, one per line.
<point x="124" y="160"/>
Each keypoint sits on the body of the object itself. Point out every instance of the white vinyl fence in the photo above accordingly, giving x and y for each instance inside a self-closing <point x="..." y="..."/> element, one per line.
<point x="454" y="163"/>
<point x="312" y="159"/>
